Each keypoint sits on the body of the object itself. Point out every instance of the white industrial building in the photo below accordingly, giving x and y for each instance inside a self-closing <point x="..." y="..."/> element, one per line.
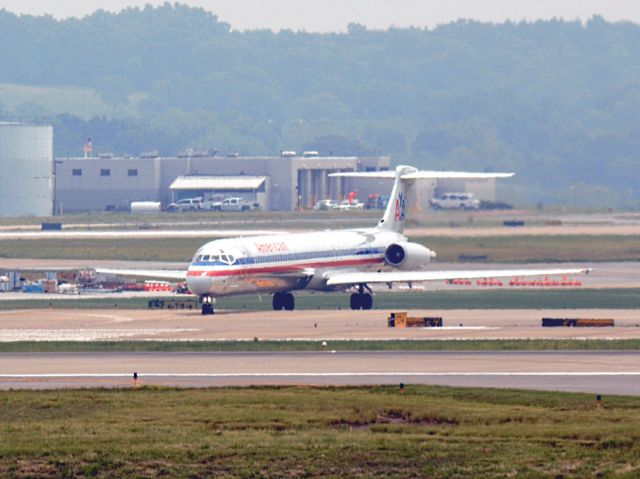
<point x="26" y="170"/>
<point x="32" y="183"/>
<point x="280" y="183"/>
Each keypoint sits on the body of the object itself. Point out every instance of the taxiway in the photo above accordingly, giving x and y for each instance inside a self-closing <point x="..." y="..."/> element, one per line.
<point x="596" y="372"/>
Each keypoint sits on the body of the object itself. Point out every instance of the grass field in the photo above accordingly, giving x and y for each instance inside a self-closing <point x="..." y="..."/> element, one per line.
<point x="606" y="298"/>
<point x="296" y="432"/>
<point x="83" y="102"/>
<point x="537" y="249"/>
<point x="518" y="249"/>
<point x="337" y="345"/>
<point x="101" y="220"/>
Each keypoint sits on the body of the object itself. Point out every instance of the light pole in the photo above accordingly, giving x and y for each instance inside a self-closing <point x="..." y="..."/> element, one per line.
<point x="55" y="185"/>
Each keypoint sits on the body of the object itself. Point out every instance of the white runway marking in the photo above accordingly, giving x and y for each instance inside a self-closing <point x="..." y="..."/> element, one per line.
<point x="80" y="335"/>
<point x="321" y="375"/>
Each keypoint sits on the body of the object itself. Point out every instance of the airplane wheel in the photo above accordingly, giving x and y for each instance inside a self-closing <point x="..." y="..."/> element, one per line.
<point x="289" y="302"/>
<point x="207" y="305"/>
<point x="367" y="301"/>
<point x="207" y="309"/>
<point x="278" y="301"/>
<point x="354" y="301"/>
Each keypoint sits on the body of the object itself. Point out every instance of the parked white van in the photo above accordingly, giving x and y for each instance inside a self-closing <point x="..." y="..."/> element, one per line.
<point x="455" y="201"/>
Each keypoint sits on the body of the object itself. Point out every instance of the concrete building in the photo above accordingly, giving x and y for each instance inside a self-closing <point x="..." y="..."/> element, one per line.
<point x="290" y="181"/>
<point x="216" y="188"/>
<point x="26" y="169"/>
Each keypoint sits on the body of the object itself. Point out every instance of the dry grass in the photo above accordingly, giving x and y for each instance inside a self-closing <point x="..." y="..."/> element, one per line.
<point x="518" y="249"/>
<point x="317" y="432"/>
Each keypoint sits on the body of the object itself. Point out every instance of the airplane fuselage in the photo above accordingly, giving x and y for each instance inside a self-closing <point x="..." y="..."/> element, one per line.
<point x="328" y="260"/>
<point x="286" y="262"/>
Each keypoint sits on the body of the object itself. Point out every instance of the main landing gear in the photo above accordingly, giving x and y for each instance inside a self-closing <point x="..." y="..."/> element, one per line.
<point x="207" y="304"/>
<point x="361" y="300"/>
<point x="283" y="301"/>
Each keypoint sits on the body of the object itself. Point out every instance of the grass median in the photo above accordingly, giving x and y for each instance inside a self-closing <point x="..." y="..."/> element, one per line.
<point x="258" y="345"/>
<point x="294" y="432"/>
<point x="601" y="298"/>
<point x="496" y="249"/>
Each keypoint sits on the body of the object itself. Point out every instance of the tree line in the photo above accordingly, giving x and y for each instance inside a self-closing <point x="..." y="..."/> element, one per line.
<point x="555" y="101"/>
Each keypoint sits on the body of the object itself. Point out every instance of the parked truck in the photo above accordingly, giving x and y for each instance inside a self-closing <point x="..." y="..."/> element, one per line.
<point x="186" y="204"/>
<point x="455" y="201"/>
<point x="235" y="204"/>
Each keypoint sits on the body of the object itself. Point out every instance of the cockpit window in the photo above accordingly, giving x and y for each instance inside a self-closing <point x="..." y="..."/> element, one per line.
<point x="221" y="256"/>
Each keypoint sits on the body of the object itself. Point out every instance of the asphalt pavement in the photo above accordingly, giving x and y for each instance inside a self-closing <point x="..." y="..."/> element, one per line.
<point x="597" y="372"/>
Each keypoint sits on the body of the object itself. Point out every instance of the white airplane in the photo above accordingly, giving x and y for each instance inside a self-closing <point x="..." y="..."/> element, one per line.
<point x="332" y="260"/>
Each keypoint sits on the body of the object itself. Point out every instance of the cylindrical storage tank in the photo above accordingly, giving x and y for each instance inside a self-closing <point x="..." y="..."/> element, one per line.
<point x="26" y="170"/>
<point x="143" y="207"/>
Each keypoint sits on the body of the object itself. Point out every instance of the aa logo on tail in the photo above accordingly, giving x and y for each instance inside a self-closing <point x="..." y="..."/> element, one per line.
<point x="399" y="216"/>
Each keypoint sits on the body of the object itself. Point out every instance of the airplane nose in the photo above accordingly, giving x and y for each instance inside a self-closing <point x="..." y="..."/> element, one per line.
<point x="198" y="284"/>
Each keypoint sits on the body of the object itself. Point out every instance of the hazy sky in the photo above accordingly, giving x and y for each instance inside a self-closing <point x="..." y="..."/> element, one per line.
<point x="334" y="15"/>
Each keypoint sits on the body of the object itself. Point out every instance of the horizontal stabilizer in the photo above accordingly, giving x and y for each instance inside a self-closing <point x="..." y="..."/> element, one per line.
<point x="418" y="276"/>
<point x="444" y="175"/>
<point x="389" y="174"/>
<point x="423" y="175"/>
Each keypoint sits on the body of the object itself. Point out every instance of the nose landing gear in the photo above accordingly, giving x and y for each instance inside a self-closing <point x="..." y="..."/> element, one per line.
<point x="283" y="301"/>
<point x="361" y="300"/>
<point x="207" y="304"/>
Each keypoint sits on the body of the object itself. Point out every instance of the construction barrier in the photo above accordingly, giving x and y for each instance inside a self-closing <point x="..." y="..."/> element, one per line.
<point x="546" y="282"/>
<point x="157" y="286"/>
<point x="539" y="283"/>
<point x="577" y="323"/>
<point x="173" y="304"/>
<point x="401" y="320"/>
<point x="489" y="282"/>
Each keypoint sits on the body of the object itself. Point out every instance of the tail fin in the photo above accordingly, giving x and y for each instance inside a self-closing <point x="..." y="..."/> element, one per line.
<point x="395" y="214"/>
<point x="404" y="177"/>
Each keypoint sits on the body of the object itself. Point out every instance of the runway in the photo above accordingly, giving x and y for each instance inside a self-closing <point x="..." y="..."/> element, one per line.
<point x="598" y="372"/>
<point x="301" y="325"/>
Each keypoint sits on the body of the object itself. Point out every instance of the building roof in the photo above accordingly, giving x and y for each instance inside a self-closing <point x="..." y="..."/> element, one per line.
<point x="217" y="183"/>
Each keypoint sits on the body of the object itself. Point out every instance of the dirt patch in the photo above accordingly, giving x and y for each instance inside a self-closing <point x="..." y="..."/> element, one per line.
<point x="393" y="417"/>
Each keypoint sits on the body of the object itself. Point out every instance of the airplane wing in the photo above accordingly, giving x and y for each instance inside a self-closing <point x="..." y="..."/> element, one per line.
<point x="423" y="175"/>
<point x="418" y="276"/>
<point x="146" y="273"/>
<point x="182" y="274"/>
